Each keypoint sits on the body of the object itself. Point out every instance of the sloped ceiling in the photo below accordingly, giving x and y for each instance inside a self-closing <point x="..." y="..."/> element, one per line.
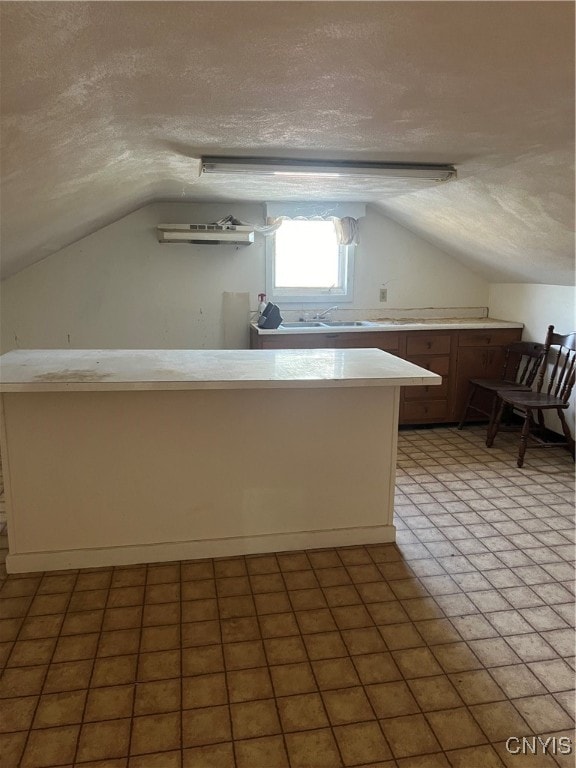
<point x="108" y="105"/>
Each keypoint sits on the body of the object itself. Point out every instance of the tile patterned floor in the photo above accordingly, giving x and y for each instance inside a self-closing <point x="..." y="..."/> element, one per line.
<point x="425" y="654"/>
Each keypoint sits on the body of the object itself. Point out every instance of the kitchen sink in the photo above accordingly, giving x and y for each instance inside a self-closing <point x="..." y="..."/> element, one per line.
<point x="302" y="325"/>
<point x="345" y="323"/>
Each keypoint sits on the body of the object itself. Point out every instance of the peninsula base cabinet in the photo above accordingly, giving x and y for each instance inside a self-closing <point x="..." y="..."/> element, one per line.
<point x="456" y="355"/>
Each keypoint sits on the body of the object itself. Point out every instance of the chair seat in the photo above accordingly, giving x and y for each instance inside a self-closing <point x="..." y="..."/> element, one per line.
<point x="493" y="385"/>
<point x="531" y="399"/>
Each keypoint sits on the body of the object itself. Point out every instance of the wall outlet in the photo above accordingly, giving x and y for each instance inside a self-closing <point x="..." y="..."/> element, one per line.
<point x="383" y="294"/>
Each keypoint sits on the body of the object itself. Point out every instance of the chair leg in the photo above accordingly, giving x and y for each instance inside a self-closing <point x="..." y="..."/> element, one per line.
<point x="566" y="431"/>
<point x="524" y="438"/>
<point x="494" y="424"/>
<point x="467" y="406"/>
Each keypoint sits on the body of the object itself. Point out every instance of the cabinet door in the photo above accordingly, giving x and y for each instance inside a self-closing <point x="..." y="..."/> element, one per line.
<point x="475" y="363"/>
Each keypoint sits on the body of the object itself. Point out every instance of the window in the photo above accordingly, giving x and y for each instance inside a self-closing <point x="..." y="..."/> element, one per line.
<point x="306" y="263"/>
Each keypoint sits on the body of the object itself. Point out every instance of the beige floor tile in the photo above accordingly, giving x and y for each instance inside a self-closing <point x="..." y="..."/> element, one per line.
<point x="376" y="668"/>
<point x="409" y="736"/>
<point x="296" y="580"/>
<point x="335" y="673"/>
<point x="157" y="615"/>
<point x="233" y="585"/>
<point x="289" y="679"/>
<point x="157" y="697"/>
<point x="317" y="748"/>
<point x="499" y="720"/>
<point x="325" y="645"/>
<point x="27" y="653"/>
<point x="171" y="759"/>
<point x="238" y="630"/>
<point x="103" y="740"/>
<point x="438" y="631"/>
<point x="198" y="633"/>
<point x="17" y="714"/>
<point x="200" y="610"/>
<point x="109" y="703"/>
<point x="455" y="728"/>
<point x="235" y="607"/>
<point x="361" y="743"/>
<point x="366" y="640"/>
<point x="34" y="627"/>
<point x="401" y="636"/>
<point x="155" y="733"/>
<point x="262" y="564"/>
<point x="50" y="746"/>
<point x="392" y="699"/>
<point x="261" y="753"/>
<point x="119" y="642"/>
<point x="202" y="660"/>
<point x="11" y="748"/>
<point x="60" y="709"/>
<point x="307" y="599"/>
<point x="158" y="665"/>
<point x="416" y="662"/>
<point x="68" y="676"/>
<point x="313" y="622"/>
<point x="123" y="618"/>
<point x="347" y="705"/>
<point x="531" y="647"/>
<point x="248" y="685"/>
<point x="230" y="566"/>
<point x="274" y="602"/>
<point x="164" y="638"/>
<point x="285" y="650"/>
<point x="436" y="760"/>
<point x="302" y="713"/>
<point x="333" y="577"/>
<point x="115" y="670"/>
<point x="198" y="590"/>
<point x="483" y="757"/>
<point x="494" y="652"/>
<point x="244" y="655"/>
<point x="197" y="570"/>
<point x="201" y="727"/>
<point x="555" y="675"/>
<point x="517" y="680"/>
<point x="543" y="714"/>
<point x="388" y="612"/>
<point x="216" y="756"/>
<point x="434" y="693"/>
<point x="279" y="625"/>
<point x="254" y="718"/>
<point x="456" y="657"/>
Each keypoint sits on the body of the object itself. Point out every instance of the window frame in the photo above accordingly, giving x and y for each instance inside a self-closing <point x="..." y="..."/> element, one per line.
<point x="346" y="259"/>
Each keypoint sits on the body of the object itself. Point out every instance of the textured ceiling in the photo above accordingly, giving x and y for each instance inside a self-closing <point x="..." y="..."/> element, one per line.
<point x="105" y="105"/>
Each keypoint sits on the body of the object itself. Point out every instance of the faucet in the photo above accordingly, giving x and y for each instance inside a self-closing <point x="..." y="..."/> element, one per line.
<point x="320" y="315"/>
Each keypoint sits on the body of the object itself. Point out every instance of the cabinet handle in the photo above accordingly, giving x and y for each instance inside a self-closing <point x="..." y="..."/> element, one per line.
<point x="428" y="345"/>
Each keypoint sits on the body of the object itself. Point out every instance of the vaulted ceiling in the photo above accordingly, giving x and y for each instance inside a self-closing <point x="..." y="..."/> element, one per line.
<point x="106" y="106"/>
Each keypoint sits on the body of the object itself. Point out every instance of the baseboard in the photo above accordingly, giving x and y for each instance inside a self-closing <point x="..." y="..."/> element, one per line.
<point x="196" y="550"/>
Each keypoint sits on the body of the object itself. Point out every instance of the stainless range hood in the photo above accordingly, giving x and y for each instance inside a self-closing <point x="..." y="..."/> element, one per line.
<point x="202" y="234"/>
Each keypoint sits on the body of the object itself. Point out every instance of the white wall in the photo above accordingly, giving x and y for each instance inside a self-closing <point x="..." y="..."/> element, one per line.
<point x="415" y="272"/>
<point x="120" y="288"/>
<point x="537" y="306"/>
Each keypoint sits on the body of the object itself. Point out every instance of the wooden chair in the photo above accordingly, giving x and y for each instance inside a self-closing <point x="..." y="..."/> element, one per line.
<point x="561" y="356"/>
<point x="521" y="362"/>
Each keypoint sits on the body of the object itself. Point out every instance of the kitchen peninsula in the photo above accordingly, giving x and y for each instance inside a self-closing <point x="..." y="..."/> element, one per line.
<point x="114" y="457"/>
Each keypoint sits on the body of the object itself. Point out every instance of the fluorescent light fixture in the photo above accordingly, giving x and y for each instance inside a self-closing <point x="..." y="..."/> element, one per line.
<point x="345" y="169"/>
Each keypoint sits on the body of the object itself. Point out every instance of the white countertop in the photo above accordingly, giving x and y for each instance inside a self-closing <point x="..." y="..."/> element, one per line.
<point x="62" y="370"/>
<point x="433" y="324"/>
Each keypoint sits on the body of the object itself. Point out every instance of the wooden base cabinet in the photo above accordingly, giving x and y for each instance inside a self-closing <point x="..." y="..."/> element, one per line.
<point x="456" y="355"/>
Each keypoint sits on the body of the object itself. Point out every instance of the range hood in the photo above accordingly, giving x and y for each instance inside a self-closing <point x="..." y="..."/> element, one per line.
<point x="202" y="234"/>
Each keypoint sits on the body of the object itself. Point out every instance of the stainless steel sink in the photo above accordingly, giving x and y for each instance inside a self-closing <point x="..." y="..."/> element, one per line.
<point x="302" y="325"/>
<point x="345" y="323"/>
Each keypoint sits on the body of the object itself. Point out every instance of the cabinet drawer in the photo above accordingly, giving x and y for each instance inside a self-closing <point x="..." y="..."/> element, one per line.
<point x="414" y="411"/>
<point x="427" y="393"/>
<point x="427" y="343"/>
<point x="389" y="342"/>
<point x="439" y="364"/>
<point x="487" y="338"/>
<point x="296" y="341"/>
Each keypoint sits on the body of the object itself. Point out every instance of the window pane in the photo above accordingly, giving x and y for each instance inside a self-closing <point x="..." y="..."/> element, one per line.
<point x="307" y="255"/>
